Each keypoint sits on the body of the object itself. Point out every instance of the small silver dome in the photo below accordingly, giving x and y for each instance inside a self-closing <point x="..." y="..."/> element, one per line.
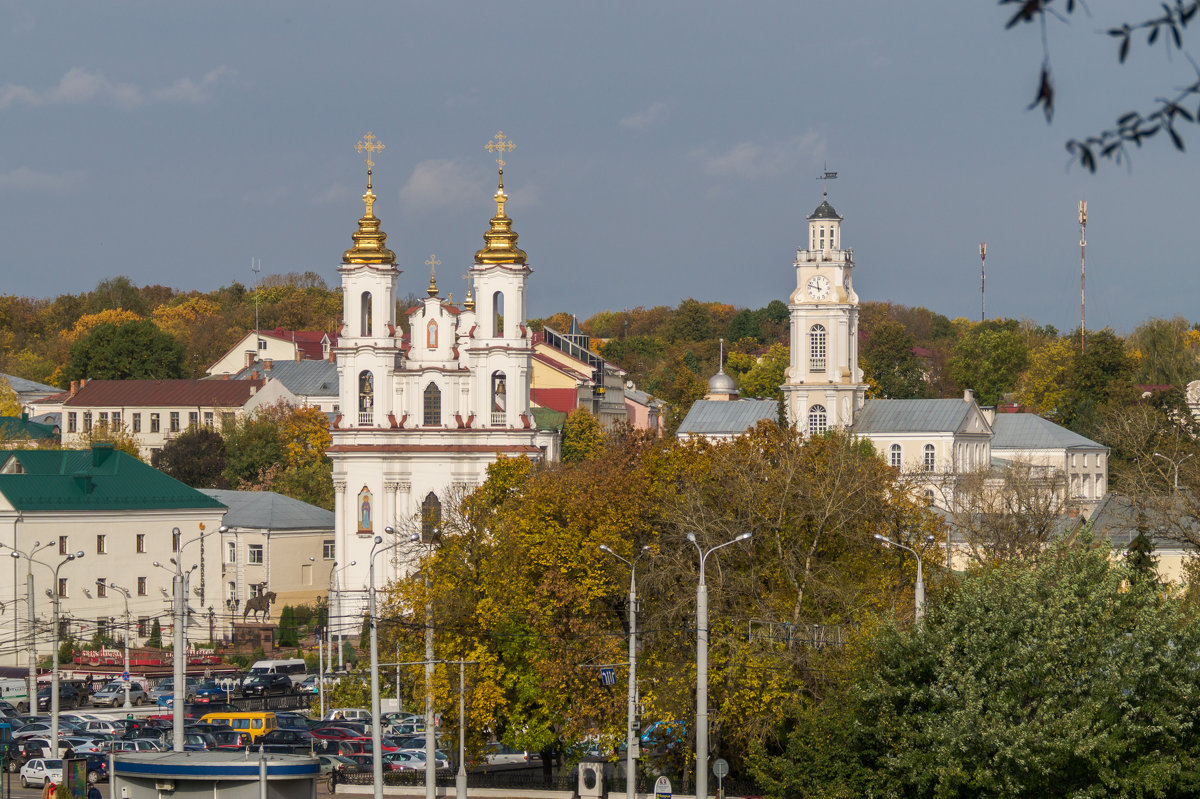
<point x="721" y="383"/>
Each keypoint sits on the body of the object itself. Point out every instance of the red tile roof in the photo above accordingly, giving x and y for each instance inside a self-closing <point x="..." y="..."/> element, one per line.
<point x="307" y="341"/>
<point x="184" y="393"/>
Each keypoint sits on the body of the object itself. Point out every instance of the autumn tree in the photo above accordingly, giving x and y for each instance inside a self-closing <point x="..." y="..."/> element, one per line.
<point x="1043" y="388"/>
<point x="989" y="357"/>
<point x="766" y="376"/>
<point x="281" y="448"/>
<point x="889" y="365"/>
<point x="128" y="351"/>
<point x="1165" y="352"/>
<point x="582" y="436"/>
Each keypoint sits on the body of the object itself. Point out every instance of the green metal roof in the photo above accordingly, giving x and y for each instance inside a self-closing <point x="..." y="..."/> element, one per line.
<point x="824" y="211"/>
<point x="19" y="428"/>
<point x="548" y="418"/>
<point x="94" y="479"/>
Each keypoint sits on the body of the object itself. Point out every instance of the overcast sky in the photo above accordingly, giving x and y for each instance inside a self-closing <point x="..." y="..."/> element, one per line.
<point x="665" y="150"/>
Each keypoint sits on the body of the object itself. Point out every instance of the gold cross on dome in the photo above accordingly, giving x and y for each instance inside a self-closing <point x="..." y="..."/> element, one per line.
<point x="500" y="144"/>
<point x="371" y="145"/>
<point x="433" y="263"/>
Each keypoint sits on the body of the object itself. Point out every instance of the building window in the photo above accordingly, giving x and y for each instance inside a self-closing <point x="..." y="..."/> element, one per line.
<point x="208" y="419"/>
<point x="231" y="552"/>
<point x="141" y="586"/>
<point x="230" y="592"/>
<point x="193" y="420"/>
<point x="254" y="553"/>
<point x="62" y="586"/>
<point x="137" y="423"/>
<point x="433" y="406"/>
<point x="116" y="420"/>
<point x="101" y="545"/>
<point x="366" y="399"/>
<point x="101" y="587"/>
<point x="499" y="399"/>
<point x="262" y="343"/>
<point x="102" y="420"/>
<point x="816" y="348"/>
<point x="176" y="537"/>
<point x="256" y="590"/>
<point x="63" y="546"/>
<point x="141" y="542"/>
<point x="154" y="423"/>
<point x="71" y="422"/>
<point x="431" y="516"/>
<point x="894" y="456"/>
<point x="498" y="314"/>
<point x="365" y="312"/>
<point x="174" y="421"/>
<point x="929" y="459"/>
<point x="328" y="549"/>
<point x="87" y="421"/>
<point x="818" y="422"/>
<point x="226" y="421"/>
<point x="143" y="628"/>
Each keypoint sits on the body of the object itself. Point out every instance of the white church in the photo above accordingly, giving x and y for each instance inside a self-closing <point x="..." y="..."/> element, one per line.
<point x="422" y="418"/>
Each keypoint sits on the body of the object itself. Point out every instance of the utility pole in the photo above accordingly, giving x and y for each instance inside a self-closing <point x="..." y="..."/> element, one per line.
<point x="631" y="755"/>
<point x="982" y="281"/>
<point x="1082" y="276"/>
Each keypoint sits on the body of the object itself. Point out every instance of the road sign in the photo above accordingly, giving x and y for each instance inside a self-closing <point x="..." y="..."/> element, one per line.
<point x="720" y="768"/>
<point x="662" y="788"/>
<point x="608" y="676"/>
<point x="125" y="676"/>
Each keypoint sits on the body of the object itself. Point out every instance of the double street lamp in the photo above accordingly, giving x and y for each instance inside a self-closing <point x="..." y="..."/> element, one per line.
<point x="630" y="748"/>
<point x="373" y="620"/>
<point x="29" y="561"/>
<point x="124" y="592"/>
<point x="702" y="663"/>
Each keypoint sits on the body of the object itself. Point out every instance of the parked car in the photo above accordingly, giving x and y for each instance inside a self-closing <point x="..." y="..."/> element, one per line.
<point x="499" y="755"/>
<point x="268" y="685"/>
<point x="113" y="694"/>
<point x="288" y="741"/>
<point x="110" y="727"/>
<point x="97" y="769"/>
<point x="335" y="733"/>
<point x="331" y="763"/>
<point x="211" y="691"/>
<point x="231" y="739"/>
<point x="291" y="721"/>
<point x="164" y="692"/>
<point x="68" y="697"/>
<point x="348" y="714"/>
<point x="39" y="771"/>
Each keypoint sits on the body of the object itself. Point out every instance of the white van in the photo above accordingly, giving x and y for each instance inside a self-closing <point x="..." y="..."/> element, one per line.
<point x="15" y="691"/>
<point x="294" y="668"/>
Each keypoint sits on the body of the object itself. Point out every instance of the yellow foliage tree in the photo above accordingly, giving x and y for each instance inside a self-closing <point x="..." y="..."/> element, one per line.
<point x="113" y="316"/>
<point x="1043" y="387"/>
<point x="10" y="405"/>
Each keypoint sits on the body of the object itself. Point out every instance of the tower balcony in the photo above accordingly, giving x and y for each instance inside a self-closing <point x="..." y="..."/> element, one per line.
<point x="498" y="419"/>
<point x="366" y="418"/>
<point x="816" y="364"/>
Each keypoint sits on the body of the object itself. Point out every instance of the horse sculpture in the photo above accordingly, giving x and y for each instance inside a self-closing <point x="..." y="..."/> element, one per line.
<point x="259" y="604"/>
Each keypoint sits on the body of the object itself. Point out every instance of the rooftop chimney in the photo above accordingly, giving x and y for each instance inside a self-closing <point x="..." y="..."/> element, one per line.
<point x="250" y="358"/>
<point x="267" y="364"/>
<point x="968" y="395"/>
<point x="74" y="387"/>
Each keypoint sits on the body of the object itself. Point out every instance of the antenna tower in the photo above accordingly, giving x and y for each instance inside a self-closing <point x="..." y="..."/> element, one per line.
<point x="256" y="268"/>
<point x="1082" y="276"/>
<point x="982" y="280"/>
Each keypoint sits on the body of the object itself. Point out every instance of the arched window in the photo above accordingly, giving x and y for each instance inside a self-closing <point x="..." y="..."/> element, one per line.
<point x="366" y="399"/>
<point x="365" y="313"/>
<point x="431" y="334"/>
<point x="894" y="456"/>
<point x="929" y="460"/>
<point x="431" y="516"/>
<point x="816" y="348"/>
<point x="498" y="314"/>
<point x="433" y="406"/>
<point x="817" y="420"/>
<point x="499" y="399"/>
<point x="929" y="496"/>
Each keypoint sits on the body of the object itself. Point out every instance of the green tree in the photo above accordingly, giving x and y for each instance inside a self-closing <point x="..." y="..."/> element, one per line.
<point x="128" y="351"/>
<point x="1043" y="388"/>
<point x="767" y="375"/>
<point x="1164" y="351"/>
<point x="195" y="457"/>
<point x="1065" y="679"/>
<point x="889" y="365"/>
<point x="155" y="639"/>
<point x="1101" y="375"/>
<point x="989" y="357"/>
<point x="582" y="437"/>
<point x="288" y="629"/>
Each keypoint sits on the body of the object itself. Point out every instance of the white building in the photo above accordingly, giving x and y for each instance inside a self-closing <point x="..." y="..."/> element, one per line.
<point x="421" y="420"/>
<point x="276" y="345"/>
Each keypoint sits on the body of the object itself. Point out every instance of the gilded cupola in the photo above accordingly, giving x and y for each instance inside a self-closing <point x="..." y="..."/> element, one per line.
<point x="500" y="241"/>
<point x="369" y="239"/>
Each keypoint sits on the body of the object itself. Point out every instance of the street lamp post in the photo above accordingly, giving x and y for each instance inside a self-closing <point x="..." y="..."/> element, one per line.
<point x="124" y="595"/>
<point x="919" y="599"/>
<point x="1175" y="464"/>
<point x="334" y="572"/>
<point x="54" y="674"/>
<point x="702" y="663"/>
<point x="630" y="741"/>
<point x="373" y="620"/>
<point x="31" y="693"/>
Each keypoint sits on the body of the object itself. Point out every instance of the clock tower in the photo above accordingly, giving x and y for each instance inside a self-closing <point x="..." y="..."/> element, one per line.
<point x="823" y="387"/>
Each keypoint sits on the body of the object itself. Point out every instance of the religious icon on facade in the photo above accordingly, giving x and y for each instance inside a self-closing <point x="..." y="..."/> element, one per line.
<point x="364" y="510"/>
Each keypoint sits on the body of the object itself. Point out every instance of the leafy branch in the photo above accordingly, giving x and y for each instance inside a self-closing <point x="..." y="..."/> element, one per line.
<point x="1133" y="127"/>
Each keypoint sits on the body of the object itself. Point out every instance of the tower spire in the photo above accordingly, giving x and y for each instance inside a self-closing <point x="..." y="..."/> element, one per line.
<point x="369" y="238"/>
<point x="500" y="241"/>
<point x="433" y="263"/>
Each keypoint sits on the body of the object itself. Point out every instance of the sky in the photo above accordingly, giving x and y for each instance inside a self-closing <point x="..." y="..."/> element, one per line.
<point x="664" y="150"/>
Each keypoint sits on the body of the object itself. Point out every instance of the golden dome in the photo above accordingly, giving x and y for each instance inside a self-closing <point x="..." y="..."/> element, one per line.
<point x="500" y="240"/>
<point x="469" y="302"/>
<point x="369" y="239"/>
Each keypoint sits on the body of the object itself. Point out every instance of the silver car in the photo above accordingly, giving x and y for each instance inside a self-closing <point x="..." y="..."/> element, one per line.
<point x="114" y="694"/>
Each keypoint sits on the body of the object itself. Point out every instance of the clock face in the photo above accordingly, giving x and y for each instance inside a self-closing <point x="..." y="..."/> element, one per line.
<point x="818" y="287"/>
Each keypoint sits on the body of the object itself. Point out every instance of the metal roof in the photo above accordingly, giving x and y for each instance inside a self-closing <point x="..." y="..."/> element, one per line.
<point x="1030" y="431"/>
<point x="726" y="417"/>
<point x="1116" y="520"/>
<point x="91" y="480"/>
<point x="23" y="386"/>
<point x="266" y="510"/>
<point x="911" y="416"/>
<point x="824" y="211"/>
<point x="163" y="393"/>
<point x="302" y="378"/>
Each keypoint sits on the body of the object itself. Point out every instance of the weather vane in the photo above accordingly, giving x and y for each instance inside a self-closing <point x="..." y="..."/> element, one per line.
<point x="500" y="144"/>
<point x="370" y="145"/>
<point x="828" y="176"/>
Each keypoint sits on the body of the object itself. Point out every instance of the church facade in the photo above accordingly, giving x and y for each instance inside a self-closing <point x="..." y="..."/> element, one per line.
<point x="423" y="417"/>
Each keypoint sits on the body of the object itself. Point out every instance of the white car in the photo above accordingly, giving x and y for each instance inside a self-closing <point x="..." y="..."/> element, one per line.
<point x="39" y="772"/>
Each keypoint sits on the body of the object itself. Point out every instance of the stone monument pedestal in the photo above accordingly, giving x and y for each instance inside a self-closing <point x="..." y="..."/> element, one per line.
<point x="251" y="635"/>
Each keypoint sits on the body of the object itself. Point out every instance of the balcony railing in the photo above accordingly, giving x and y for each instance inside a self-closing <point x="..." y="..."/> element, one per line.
<point x="816" y="364"/>
<point x="366" y="418"/>
<point x="498" y="419"/>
